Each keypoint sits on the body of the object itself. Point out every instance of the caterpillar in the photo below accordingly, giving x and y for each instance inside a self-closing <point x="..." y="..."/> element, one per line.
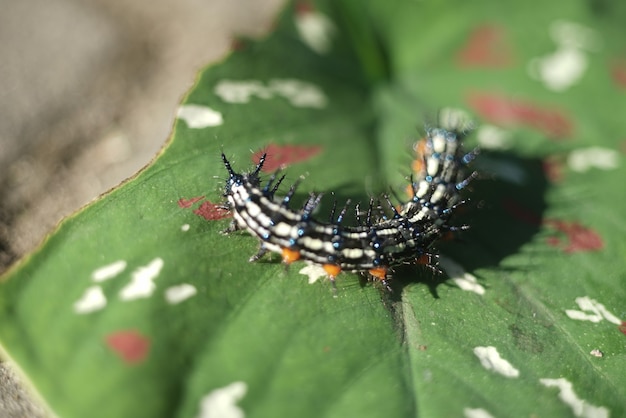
<point x="379" y="241"/>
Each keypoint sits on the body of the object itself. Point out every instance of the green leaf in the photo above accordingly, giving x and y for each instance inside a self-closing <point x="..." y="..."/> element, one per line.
<point x="182" y="325"/>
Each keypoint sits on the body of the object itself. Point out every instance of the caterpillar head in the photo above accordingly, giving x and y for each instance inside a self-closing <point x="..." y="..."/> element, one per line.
<point x="236" y="179"/>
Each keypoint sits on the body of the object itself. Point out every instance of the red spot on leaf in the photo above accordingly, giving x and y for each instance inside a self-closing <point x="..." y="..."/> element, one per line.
<point x="579" y="238"/>
<point x="553" y="241"/>
<point x="280" y="156"/>
<point x="212" y="212"/>
<point x="618" y="72"/>
<point x="622" y="327"/>
<point x="130" y="345"/>
<point x="187" y="203"/>
<point x="486" y="47"/>
<point x="501" y="110"/>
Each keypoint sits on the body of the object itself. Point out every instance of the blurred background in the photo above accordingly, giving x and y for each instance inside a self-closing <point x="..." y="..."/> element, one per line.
<point x="88" y="94"/>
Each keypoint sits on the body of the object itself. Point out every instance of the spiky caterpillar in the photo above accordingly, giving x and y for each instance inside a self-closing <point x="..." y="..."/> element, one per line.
<point x="374" y="246"/>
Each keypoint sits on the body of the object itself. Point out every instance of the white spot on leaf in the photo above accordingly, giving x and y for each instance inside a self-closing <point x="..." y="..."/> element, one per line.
<point x="566" y="66"/>
<point x="314" y="272"/>
<point x="584" y="159"/>
<point x="490" y="359"/>
<point x="574" y="35"/>
<point x="232" y="91"/>
<point x="559" y="70"/>
<point x="299" y="93"/>
<point x="596" y="353"/>
<point x="184" y="228"/>
<point x="177" y="294"/>
<point x="461" y="278"/>
<point x="592" y="310"/>
<point x="493" y="137"/>
<point x="198" y="117"/>
<point x="142" y="282"/>
<point x="222" y="402"/>
<point x="109" y="271"/>
<point x="92" y="300"/>
<point x="580" y="407"/>
<point x="316" y="30"/>
<point x="476" y="413"/>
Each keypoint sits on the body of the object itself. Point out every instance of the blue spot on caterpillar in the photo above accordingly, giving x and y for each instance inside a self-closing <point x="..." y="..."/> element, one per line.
<point x="374" y="246"/>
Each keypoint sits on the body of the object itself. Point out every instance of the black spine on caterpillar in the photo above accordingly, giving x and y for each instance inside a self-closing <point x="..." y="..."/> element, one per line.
<point x="371" y="248"/>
